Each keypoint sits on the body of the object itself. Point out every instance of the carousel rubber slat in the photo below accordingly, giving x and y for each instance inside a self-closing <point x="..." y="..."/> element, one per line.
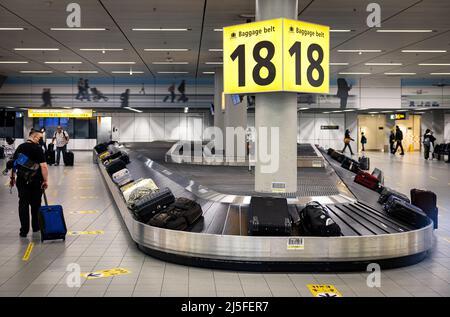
<point x="373" y="224"/>
<point x="346" y="229"/>
<point x="350" y="221"/>
<point x="244" y="220"/>
<point x="232" y="222"/>
<point x="361" y="220"/>
<point x="215" y="221"/>
<point x="399" y="225"/>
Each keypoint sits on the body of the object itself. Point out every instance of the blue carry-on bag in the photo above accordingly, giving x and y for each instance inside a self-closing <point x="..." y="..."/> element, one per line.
<point x="51" y="222"/>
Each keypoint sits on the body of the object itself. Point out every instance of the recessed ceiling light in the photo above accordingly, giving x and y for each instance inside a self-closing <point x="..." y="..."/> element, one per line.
<point x="173" y="72"/>
<point x="401" y="110"/>
<point x="339" y="31"/>
<point x="209" y="73"/>
<point x="36" y="71"/>
<point x="166" y="49"/>
<point x="160" y="29"/>
<point x="354" y="73"/>
<point x="336" y="111"/>
<point x="216" y="50"/>
<point x="218" y="30"/>
<point x="78" y="29"/>
<point x="326" y="112"/>
<point x="303" y="108"/>
<point x="132" y="109"/>
<point x="81" y="72"/>
<point x="214" y="63"/>
<point x="446" y="74"/>
<point x="383" y="64"/>
<point x="424" y="51"/>
<point x="387" y="111"/>
<point x="117" y="63"/>
<point x="434" y="64"/>
<point x="349" y="110"/>
<point x="63" y="62"/>
<point x="36" y="49"/>
<point x="13" y="62"/>
<point x="12" y="29"/>
<point x="404" y="31"/>
<point x="186" y="109"/>
<point x="373" y="112"/>
<point x="101" y="49"/>
<point x="168" y="63"/>
<point x="127" y="72"/>
<point x="359" y="51"/>
<point x="400" y="74"/>
<point x="338" y="64"/>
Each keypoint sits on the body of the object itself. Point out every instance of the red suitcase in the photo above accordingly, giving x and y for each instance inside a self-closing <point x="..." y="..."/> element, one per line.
<point x="367" y="180"/>
<point x="427" y="201"/>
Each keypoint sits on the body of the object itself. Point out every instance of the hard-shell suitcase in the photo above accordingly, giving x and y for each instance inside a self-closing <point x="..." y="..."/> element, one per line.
<point x="51" y="222"/>
<point x="125" y="187"/>
<point x="121" y="176"/>
<point x="427" y="201"/>
<point x="143" y="183"/>
<point x="367" y="180"/>
<point x="337" y="156"/>
<point x="364" y="163"/>
<point x="388" y="192"/>
<point x="117" y="155"/>
<point x="405" y="212"/>
<point x="115" y="166"/>
<point x="350" y="164"/>
<point x="378" y="174"/>
<point x="330" y="151"/>
<point x="269" y="216"/>
<point x="68" y="158"/>
<point x="110" y="156"/>
<point x="149" y="205"/>
<point x="316" y="221"/>
<point x="50" y="157"/>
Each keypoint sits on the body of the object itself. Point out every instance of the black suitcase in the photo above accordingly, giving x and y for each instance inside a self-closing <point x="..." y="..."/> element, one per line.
<point x="147" y="207"/>
<point x="68" y="158"/>
<point x="387" y="192"/>
<point x="50" y="157"/>
<point x="364" y="163"/>
<point x="427" y="201"/>
<point x="112" y="156"/>
<point x="120" y="156"/>
<point x="2" y="152"/>
<point x="315" y="221"/>
<point x="330" y="151"/>
<point x="269" y="216"/>
<point x="115" y="166"/>
<point x="350" y="164"/>
<point x="50" y="147"/>
<point x="338" y="156"/>
<point x="101" y="147"/>
<point x="189" y="209"/>
<point x="405" y="212"/>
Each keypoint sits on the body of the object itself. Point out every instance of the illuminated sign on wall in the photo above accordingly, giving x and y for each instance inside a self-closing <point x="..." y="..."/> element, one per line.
<point x="398" y="116"/>
<point x="60" y="113"/>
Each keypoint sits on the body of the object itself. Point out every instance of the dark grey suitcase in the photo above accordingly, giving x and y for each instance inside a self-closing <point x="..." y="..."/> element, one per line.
<point x="145" y="208"/>
<point x="387" y="192"/>
<point x="406" y="212"/>
<point x="269" y="216"/>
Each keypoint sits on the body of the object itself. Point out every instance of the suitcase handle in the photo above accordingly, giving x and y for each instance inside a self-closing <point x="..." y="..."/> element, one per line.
<point x="45" y="198"/>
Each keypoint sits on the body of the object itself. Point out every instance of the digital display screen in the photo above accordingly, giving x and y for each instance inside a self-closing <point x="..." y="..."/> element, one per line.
<point x="236" y="99"/>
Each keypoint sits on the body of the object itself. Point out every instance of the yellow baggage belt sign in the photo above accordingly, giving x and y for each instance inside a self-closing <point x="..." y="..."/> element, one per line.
<point x="79" y="233"/>
<point x="60" y="113"/>
<point x="84" y="212"/>
<point x="276" y="55"/>
<point x="105" y="273"/>
<point x="27" y="254"/>
<point x="324" y="290"/>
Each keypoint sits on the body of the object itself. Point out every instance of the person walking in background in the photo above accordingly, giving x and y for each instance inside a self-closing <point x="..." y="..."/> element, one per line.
<point x="391" y="141"/>
<point x="60" y="139"/>
<point x="398" y="139"/>
<point x="171" y="91"/>
<point x="124" y="97"/>
<point x="363" y="141"/>
<point x="342" y="92"/>
<point x="142" y="91"/>
<point x="347" y="140"/>
<point x="80" y="86"/>
<point x="46" y="97"/>
<point x="428" y="140"/>
<point x="86" y="90"/>
<point x="9" y="150"/>
<point x="30" y="185"/>
<point x="43" y="140"/>
<point x="182" y="90"/>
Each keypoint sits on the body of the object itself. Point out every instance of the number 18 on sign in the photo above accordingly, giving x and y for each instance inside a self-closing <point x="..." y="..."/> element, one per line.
<point x="276" y="55"/>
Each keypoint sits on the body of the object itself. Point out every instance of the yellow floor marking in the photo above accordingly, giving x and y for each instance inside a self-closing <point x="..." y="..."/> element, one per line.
<point x="79" y="233"/>
<point x="27" y="254"/>
<point x="105" y="273"/>
<point x="84" y="212"/>
<point x="324" y="290"/>
<point x="85" y="187"/>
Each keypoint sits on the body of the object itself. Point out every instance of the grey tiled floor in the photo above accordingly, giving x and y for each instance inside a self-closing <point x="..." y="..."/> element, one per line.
<point x="80" y="188"/>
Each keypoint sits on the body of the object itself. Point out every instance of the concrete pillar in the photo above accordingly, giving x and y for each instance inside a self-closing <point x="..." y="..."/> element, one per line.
<point x="278" y="110"/>
<point x="235" y="116"/>
<point x="218" y="89"/>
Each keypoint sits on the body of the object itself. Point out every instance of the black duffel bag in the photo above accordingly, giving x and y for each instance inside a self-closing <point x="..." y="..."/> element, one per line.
<point x="315" y="221"/>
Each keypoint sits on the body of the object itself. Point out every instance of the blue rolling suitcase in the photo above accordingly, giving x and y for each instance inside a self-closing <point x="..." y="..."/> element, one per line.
<point x="51" y="222"/>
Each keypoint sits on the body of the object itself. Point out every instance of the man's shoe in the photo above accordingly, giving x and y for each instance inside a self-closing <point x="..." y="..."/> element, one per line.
<point x="23" y="235"/>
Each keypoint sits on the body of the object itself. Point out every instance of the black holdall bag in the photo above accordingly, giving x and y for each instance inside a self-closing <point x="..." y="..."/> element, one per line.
<point x="330" y="151"/>
<point x="190" y="209"/>
<point x="405" y="212"/>
<point x="427" y="201"/>
<point x="269" y="216"/>
<point x="111" y="156"/>
<point x="387" y="192"/>
<point x="115" y="166"/>
<point x="315" y="221"/>
<point x="101" y="147"/>
<point x="123" y="157"/>
<point x="350" y="164"/>
<point x="169" y="219"/>
<point x="149" y="205"/>
<point x="338" y="156"/>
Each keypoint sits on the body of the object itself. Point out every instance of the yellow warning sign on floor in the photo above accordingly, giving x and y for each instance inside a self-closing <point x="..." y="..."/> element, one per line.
<point x="84" y="212"/>
<point x="27" y="254"/>
<point x="324" y="290"/>
<point x="79" y="233"/>
<point x="105" y="273"/>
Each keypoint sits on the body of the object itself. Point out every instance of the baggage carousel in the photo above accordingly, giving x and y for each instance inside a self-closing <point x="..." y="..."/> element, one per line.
<point x="219" y="239"/>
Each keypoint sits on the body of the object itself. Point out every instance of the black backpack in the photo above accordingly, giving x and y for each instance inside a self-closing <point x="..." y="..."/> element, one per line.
<point x="315" y="221"/>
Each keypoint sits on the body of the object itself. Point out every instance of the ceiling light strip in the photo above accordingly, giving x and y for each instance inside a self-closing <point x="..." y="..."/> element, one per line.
<point x="166" y="49"/>
<point x="404" y="31"/>
<point x="35" y="49"/>
<point x="36" y="71"/>
<point x="383" y="64"/>
<point x="13" y="62"/>
<point x="424" y="51"/>
<point x="78" y="29"/>
<point x="400" y="74"/>
<point x="117" y="63"/>
<point x="160" y="29"/>
<point x="101" y="49"/>
<point x="169" y="63"/>
<point x="63" y="62"/>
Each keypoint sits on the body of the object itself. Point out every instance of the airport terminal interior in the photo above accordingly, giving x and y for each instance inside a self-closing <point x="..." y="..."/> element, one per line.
<point x="205" y="148"/>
